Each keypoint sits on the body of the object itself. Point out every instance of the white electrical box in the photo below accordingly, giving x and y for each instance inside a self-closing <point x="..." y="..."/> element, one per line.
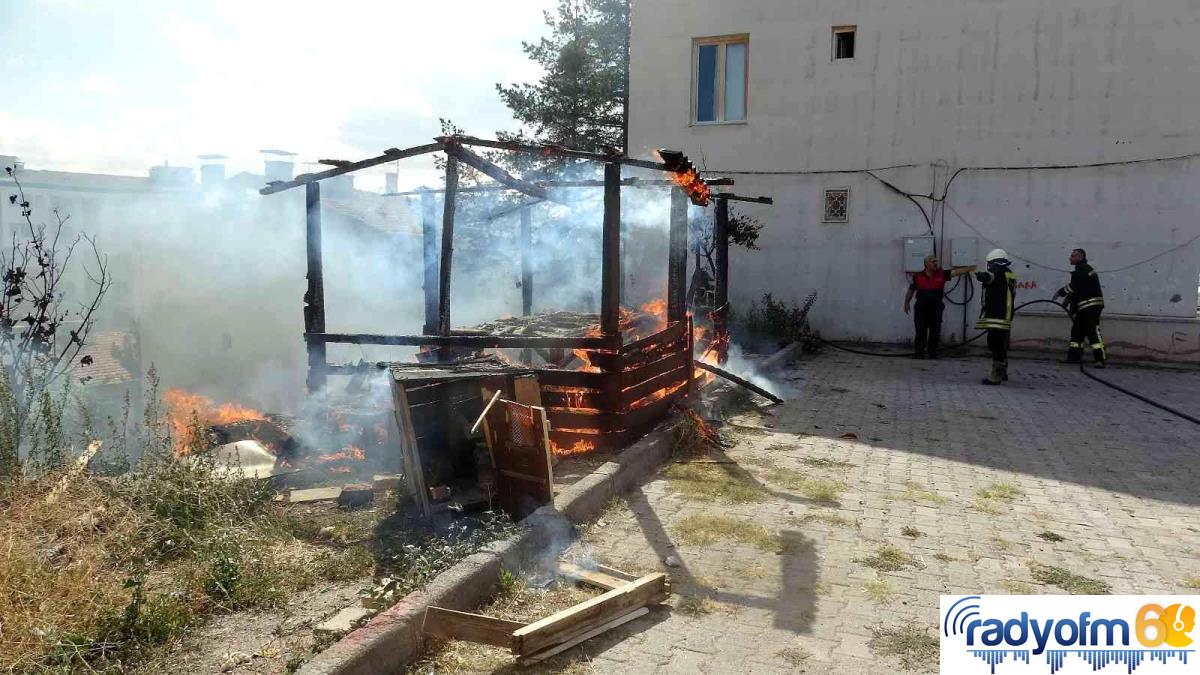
<point x="964" y="252"/>
<point x="915" y="251"/>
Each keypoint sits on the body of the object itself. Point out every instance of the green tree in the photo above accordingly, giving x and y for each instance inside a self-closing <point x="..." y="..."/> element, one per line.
<point x="580" y="101"/>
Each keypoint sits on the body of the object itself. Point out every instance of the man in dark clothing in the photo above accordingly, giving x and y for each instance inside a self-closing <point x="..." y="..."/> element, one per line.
<point x="996" y="313"/>
<point x="929" y="286"/>
<point x="1085" y="301"/>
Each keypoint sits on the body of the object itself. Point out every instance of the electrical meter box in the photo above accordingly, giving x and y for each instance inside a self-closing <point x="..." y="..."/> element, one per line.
<point x="964" y="252"/>
<point x="915" y="251"/>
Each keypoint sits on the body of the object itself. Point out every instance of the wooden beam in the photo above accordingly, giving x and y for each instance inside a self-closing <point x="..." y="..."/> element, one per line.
<point x="721" y="243"/>
<point x="451" y="625"/>
<point x="677" y="257"/>
<point x="587" y="616"/>
<point x="555" y="151"/>
<point x="430" y="258"/>
<point x="634" y="182"/>
<point x="496" y="173"/>
<point x="610" y="264"/>
<point x="478" y="341"/>
<point x="410" y="452"/>
<point x="314" y="295"/>
<point x="389" y="155"/>
<point x="447" y="245"/>
<point x="555" y="651"/>
<point x="526" y="261"/>
<point x="738" y="198"/>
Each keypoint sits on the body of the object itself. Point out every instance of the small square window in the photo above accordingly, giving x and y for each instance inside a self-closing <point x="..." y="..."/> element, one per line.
<point x="843" y="42"/>
<point x="837" y="205"/>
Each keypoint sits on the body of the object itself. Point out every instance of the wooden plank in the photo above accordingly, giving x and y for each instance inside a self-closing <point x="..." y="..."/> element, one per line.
<point x="447" y="246"/>
<point x="650" y="370"/>
<point x="526" y="262"/>
<point x="606" y="361"/>
<point x="477" y="341"/>
<point x="651" y="354"/>
<point x="555" y="151"/>
<point x="410" y="450"/>
<point x="566" y="418"/>
<point x="554" y="651"/>
<point x="651" y="413"/>
<point x="588" y="616"/>
<point x="429" y="254"/>
<point x="589" y="400"/>
<point x="614" y="572"/>
<point x="314" y="295"/>
<point x="634" y="182"/>
<point x="519" y="442"/>
<point x="677" y="253"/>
<point x="448" y="624"/>
<point x="665" y="336"/>
<point x="721" y="243"/>
<point x="591" y="577"/>
<point x="573" y="378"/>
<point x="610" y="255"/>
<point x="666" y="380"/>
<point x="527" y="390"/>
<point x="314" y="495"/>
<point x="496" y="173"/>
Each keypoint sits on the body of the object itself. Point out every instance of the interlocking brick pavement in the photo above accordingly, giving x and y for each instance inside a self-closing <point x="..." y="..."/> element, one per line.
<point x="1116" y="478"/>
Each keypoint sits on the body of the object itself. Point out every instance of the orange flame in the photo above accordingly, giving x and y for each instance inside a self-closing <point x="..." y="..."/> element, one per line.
<point x="349" y="452"/>
<point x="184" y="407"/>
<point x="581" y="446"/>
<point x="695" y="187"/>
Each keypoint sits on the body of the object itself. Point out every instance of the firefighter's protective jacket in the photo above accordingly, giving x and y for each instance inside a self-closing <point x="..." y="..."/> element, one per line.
<point x="999" y="296"/>
<point x="1084" y="290"/>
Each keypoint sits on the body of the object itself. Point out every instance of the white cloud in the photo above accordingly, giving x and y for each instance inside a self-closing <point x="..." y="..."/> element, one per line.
<point x="99" y="84"/>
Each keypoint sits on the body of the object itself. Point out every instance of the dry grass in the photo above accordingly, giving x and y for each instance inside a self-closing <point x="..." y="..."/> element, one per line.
<point x="824" y="463"/>
<point x="822" y="490"/>
<point x="1003" y="491"/>
<point x="714" y="483"/>
<point x="888" y="558"/>
<point x="1191" y="582"/>
<point x="1049" y="536"/>
<point x="701" y="530"/>
<point x="988" y="506"/>
<point x="911" y="532"/>
<point x="834" y="519"/>
<point x="913" y="644"/>
<point x="1067" y="580"/>
<point x="880" y="591"/>
<point x="695" y="606"/>
<point x="943" y="557"/>
<point x="796" y="657"/>
<point x="1016" y="587"/>
<point x="915" y="492"/>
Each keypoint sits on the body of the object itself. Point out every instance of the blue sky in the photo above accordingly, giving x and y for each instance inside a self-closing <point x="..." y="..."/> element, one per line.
<point x="120" y="85"/>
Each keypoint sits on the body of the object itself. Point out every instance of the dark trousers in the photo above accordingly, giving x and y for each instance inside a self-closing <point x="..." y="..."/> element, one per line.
<point x="997" y="342"/>
<point x="1085" y="332"/>
<point x="928" y="322"/>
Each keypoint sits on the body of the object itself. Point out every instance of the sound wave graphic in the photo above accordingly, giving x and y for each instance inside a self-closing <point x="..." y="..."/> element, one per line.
<point x="994" y="657"/>
<point x="954" y="621"/>
<point x="1099" y="658"/>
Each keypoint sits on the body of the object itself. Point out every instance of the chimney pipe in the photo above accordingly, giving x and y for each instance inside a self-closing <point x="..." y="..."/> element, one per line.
<point x="390" y="180"/>
<point x="212" y="171"/>
<point x="278" y="165"/>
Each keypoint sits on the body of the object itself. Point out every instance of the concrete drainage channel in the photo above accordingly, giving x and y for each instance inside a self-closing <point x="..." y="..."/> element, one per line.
<point x="393" y="639"/>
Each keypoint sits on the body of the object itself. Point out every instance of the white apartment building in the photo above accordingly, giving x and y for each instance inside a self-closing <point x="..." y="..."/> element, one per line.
<point x="824" y="103"/>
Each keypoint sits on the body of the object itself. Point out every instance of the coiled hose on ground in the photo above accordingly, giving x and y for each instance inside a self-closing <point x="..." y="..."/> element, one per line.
<point x="1083" y="370"/>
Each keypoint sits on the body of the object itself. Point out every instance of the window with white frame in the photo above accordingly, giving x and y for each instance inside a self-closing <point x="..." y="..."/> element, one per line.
<point x="843" y="42"/>
<point x="719" y="73"/>
<point x="837" y="205"/>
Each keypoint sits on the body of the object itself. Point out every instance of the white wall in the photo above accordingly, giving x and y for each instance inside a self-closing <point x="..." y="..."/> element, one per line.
<point x="943" y="85"/>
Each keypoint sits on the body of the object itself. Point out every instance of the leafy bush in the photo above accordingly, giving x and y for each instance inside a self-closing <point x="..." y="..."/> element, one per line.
<point x="774" y="321"/>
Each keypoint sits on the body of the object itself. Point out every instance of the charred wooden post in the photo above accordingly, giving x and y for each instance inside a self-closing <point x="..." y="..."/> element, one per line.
<point x="447" y="245"/>
<point x="526" y="261"/>
<point x="721" y="244"/>
<point x="677" y="258"/>
<point x="610" y="270"/>
<point x="314" y="296"/>
<point x="429" y="237"/>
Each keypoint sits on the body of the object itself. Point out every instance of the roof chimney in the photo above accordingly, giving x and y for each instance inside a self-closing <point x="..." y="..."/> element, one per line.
<point x="390" y="181"/>
<point x="212" y="171"/>
<point x="278" y="165"/>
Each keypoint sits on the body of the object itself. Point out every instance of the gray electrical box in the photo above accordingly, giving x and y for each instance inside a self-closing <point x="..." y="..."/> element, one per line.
<point x="915" y="250"/>
<point x="964" y="252"/>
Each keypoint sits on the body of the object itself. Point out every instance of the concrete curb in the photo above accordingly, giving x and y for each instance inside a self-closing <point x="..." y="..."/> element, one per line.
<point x="390" y="641"/>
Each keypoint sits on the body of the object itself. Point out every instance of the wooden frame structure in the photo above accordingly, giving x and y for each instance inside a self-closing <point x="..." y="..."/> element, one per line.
<point x="627" y="389"/>
<point x="625" y="598"/>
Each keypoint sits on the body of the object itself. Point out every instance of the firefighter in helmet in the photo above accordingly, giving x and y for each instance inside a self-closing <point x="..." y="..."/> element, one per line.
<point x="1084" y="300"/>
<point x="996" y="311"/>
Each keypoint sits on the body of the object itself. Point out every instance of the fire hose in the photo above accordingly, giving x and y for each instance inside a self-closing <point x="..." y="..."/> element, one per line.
<point x="1083" y="370"/>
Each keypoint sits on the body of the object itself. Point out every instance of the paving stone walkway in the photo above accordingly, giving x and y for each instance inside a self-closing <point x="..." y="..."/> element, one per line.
<point x="883" y="483"/>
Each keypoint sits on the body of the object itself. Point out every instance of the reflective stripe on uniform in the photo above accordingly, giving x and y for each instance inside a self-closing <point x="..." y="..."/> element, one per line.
<point x="1091" y="302"/>
<point x="984" y="324"/>
<point x="1075" y="345"/>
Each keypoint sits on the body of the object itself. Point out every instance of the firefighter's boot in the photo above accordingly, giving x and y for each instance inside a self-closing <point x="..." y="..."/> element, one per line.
<point x="996" y="375"/>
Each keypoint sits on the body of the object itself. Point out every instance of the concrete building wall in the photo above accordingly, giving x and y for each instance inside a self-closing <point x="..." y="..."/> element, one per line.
<point x="941" y="86"/>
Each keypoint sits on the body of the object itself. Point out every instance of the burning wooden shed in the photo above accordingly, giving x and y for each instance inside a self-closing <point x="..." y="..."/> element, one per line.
<point x="623" y="382"/>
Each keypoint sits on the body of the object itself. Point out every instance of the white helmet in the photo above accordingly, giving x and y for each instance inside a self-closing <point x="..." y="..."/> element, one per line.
<point x="997" y="254"/>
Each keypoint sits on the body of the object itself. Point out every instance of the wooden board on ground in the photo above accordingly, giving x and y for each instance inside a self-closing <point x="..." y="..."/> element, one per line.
<point x="449" y="624"/>
<point x="314" y="495"/>
<point x="592" y="577"/>
<point x="555" y="651"/>
<point x="573" y="622"/>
